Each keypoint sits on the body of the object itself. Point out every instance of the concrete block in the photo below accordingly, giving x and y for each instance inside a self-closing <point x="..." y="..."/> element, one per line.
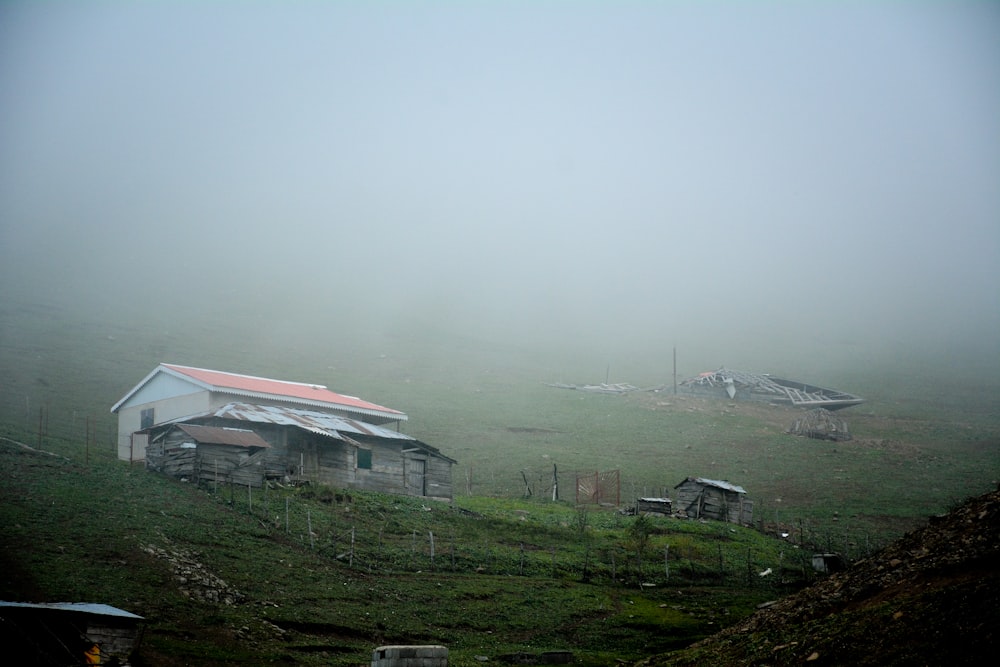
<point x="410" y="656"/>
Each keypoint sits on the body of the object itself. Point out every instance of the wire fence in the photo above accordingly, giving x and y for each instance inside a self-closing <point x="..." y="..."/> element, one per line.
<point x="91" y="436"/>
<point x="660" y="558"/>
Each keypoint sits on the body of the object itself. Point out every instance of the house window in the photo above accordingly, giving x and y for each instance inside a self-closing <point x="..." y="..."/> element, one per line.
<point x="364" y="459"/>
<point x="146" y="418"/>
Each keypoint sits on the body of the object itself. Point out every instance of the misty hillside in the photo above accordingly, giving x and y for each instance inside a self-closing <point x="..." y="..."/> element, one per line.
<point x="451" y="209"/>
<point x="929" y="598"/>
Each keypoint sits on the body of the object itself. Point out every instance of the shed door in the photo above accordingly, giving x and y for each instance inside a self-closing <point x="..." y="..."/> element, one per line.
<point x="415" y="477"/>
<point x="137" y="448"/>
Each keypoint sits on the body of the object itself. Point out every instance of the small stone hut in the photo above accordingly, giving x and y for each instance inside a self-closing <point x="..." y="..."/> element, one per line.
<point x="700" y="498"/>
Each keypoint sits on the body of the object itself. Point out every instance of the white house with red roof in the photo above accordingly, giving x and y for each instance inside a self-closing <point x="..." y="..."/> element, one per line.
<point x="172" y="392"/>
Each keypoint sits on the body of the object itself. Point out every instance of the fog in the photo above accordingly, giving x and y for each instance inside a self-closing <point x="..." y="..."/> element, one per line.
<point x="603" y="182"/>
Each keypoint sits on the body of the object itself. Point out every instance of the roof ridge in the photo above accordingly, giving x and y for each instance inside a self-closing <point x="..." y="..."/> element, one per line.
<point x="312" y="385"/>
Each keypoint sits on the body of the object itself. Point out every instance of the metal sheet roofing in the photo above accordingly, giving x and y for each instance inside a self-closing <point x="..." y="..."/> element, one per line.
<point x="266" y="388"/>
<point x="215" y="435"/>
<point x="82" y="607"/>
<point x="716" y="483"/>
<point x="322" y="423"/>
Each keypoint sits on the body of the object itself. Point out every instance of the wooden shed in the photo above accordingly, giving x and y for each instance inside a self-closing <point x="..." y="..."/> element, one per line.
<point x="700" y="498"/>
<point x="68" y="633"/>
<point x="209" y="453"/>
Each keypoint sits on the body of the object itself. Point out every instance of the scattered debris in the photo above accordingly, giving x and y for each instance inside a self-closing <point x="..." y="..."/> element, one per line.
<point x="765" y="387"/>
<point x="821" y="424"/>
<point x="603" y="388"/>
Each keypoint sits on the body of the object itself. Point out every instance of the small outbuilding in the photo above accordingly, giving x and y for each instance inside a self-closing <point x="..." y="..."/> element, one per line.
<point x="68" y="633"/>
<point x="209" y="453"/>
<point x="828" y="563"/>
<point x="700" y="498"/>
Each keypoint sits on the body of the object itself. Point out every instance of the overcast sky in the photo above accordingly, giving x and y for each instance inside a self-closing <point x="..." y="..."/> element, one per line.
<point x="523" y="168"/>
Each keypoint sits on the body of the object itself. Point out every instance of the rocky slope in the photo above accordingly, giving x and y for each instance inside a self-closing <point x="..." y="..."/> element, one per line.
<point x="930" y="598"/>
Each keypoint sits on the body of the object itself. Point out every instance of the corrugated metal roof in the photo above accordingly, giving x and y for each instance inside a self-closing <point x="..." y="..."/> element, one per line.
<point x="257" y="387"/>
<point x="218" y="380"/>
<point x="322" y="423"/>
<point x="83" y="607"/>
<point x="716" y="483"/>
<point x="215" y="435"/>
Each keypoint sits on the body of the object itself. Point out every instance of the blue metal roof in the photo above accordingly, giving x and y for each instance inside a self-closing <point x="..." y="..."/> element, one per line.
<point x="82" y="607"/>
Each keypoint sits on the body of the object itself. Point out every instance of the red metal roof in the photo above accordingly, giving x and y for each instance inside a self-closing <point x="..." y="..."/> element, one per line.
<point x="220" y="381"/>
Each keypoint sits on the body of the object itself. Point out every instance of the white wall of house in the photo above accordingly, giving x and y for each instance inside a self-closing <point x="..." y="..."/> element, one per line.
<point x="162" y="386"/>
<point x="164" y="409"/>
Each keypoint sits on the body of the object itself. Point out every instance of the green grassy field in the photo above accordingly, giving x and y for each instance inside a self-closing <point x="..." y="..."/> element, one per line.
<point x="509" y="574"/>
<point x="322" y="576"/>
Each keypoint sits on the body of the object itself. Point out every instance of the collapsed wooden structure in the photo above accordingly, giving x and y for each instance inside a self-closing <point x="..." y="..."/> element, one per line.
<point x="821" y="424"/>
<point x="740" y="385"/>
<point x="602" y="388"/>
<point x="700" y="498"/>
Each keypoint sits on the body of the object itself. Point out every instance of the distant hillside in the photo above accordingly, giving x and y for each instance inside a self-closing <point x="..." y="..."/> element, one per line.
<point x="929" y="598"/>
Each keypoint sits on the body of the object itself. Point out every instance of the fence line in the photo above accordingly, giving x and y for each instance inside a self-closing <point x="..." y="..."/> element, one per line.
<point x="586" y="559"/>
<point x="88" y="435"/>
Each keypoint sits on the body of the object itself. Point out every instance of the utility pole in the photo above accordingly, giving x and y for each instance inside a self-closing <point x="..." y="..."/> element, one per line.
<point x="675" y="370"/>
